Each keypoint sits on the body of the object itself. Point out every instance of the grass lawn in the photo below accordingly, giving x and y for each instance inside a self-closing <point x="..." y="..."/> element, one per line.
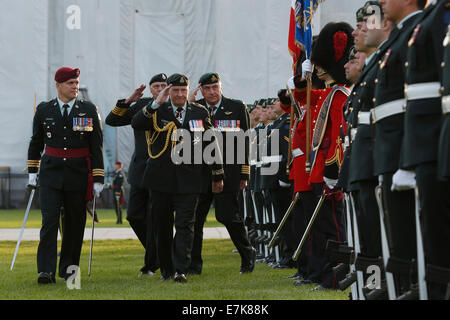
<point x="115" y="272"/>
<point x="107" y="217"/>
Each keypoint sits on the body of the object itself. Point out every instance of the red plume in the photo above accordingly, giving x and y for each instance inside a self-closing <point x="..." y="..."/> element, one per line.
<point x="340" y="40"/>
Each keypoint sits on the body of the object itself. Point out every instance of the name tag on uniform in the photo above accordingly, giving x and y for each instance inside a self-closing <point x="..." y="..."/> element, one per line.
<point x="83" y="124"/>
<point x="196" y="125"/>
<point x="228" y="125"/>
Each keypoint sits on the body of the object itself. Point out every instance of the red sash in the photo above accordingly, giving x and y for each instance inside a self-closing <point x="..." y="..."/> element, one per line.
<point x="75" y="153"/>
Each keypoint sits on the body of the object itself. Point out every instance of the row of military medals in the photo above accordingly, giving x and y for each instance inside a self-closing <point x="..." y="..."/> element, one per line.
<point x="83" y="124"/>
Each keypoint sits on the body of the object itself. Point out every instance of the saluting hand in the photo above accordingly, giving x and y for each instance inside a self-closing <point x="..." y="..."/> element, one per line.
<point x="137" y="94"/>
<point x="163" y="95"/>
<point x="193" y="95"/>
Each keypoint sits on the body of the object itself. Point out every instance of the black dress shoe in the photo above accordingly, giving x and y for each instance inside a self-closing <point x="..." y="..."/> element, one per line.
<point x="46" y="278"/>
<point x="302" y="282"/>
<point x="165" y="277"/>
<point x="250" y="264"/>
<point x="180" y="277"/>
<point x="296" y="276"/>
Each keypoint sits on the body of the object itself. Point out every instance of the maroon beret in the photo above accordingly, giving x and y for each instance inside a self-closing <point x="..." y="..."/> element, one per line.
<point x="65" y="73"/>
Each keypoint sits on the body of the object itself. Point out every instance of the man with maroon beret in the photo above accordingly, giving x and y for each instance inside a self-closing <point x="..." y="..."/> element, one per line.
<point x="66" y="150"/>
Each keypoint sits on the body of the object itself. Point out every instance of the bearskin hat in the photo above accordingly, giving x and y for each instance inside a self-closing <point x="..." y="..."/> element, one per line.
<point x="331" y="49"/>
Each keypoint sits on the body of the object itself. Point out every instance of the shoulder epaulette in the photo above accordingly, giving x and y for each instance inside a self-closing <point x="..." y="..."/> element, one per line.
<point x="198" y="105"/>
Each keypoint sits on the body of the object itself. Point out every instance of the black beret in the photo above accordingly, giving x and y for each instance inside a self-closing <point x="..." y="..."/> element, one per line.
<point x="360" y="14"/>
<point x="161" y="77"/>
<point x="271" y="101"/>
<point x="369" y="8"/>
<point x="178" y="80"/>
<point x="251" y="107"/>
<point x="261" y="102"/>
<point x="209" y="78"/>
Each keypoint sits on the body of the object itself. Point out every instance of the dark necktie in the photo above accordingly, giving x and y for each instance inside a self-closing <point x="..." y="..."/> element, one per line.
<point x="212" y="110"/>
<point x="66" y="113"/>
<point x="179" y="115"/>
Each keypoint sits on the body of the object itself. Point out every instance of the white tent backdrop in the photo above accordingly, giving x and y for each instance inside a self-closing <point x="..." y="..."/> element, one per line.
<point x="122" y="43"/>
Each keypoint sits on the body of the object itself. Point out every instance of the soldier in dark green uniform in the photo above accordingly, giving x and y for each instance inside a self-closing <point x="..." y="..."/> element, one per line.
<point x="361" y="160"/>
<point x="175" y="186"/>
<point x="139" y="204"/>
<point x="387" y="115"/>
<point x="227" y="116"/>
<point x="66" y="148"/>
<point x="278" y="185"/>
<point x="422" y="130"/>
<point x="253" y="185"/>
<point x="117" y="188"/>
<point x="444" y="146"/>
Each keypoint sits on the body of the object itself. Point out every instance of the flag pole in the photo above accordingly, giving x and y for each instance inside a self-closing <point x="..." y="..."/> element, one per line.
<point x="308" y="123"/>
<point x="308" y="106"/>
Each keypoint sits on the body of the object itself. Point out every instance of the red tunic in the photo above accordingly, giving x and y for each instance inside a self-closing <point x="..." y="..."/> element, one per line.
<point x="330" y="151"/>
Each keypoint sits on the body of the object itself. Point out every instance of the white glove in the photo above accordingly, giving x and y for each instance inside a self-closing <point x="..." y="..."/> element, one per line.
<point x="306" y="68"/>
<point x="291" y="83"/>
<point x="98" y="188"/>
<point x="32" y="179"/>
<point x="331" y="183"/>
<point x="283" y="184"/>
<point x="403" y="180"/>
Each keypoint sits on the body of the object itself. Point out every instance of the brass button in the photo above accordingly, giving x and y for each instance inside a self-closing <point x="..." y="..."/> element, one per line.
<point x="65" y="138"/>
<point x="65" y="127"/>
<point x="376" y="80"/>
<point x="443" y="64"/>
<point x="64" y="159"/>
<point x="65" y="149"/>
<point x="406" y="64"/>
<point x="374" y="99"/>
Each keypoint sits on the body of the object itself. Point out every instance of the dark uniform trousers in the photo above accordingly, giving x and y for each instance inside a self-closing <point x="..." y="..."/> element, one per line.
<point x="399" y="208"/>
<point x="73" y="228"/>
<point x="139" y="204"/>
<point x="174" y="252"/>
<point x="369" y="218"/>
<point x="281" y="199"/>
<point x="329" y="225"/>
<point x="143" y="223"/>
<point x="301" y="215"/>
<point x="227" y="212"/>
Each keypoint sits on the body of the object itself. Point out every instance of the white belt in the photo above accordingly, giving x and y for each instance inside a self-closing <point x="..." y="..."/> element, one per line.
<point x="353" y="132"/>
<point x="271" y="159"/>
<point x="297" y="152"/>
<point x="446" y="104"/>
<point x="363" y="117"/>
<point x="346" y="143"/>
<point x="388" y="109"/>
<point x="425" y="90"/>
<point x="253" y="162"/>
